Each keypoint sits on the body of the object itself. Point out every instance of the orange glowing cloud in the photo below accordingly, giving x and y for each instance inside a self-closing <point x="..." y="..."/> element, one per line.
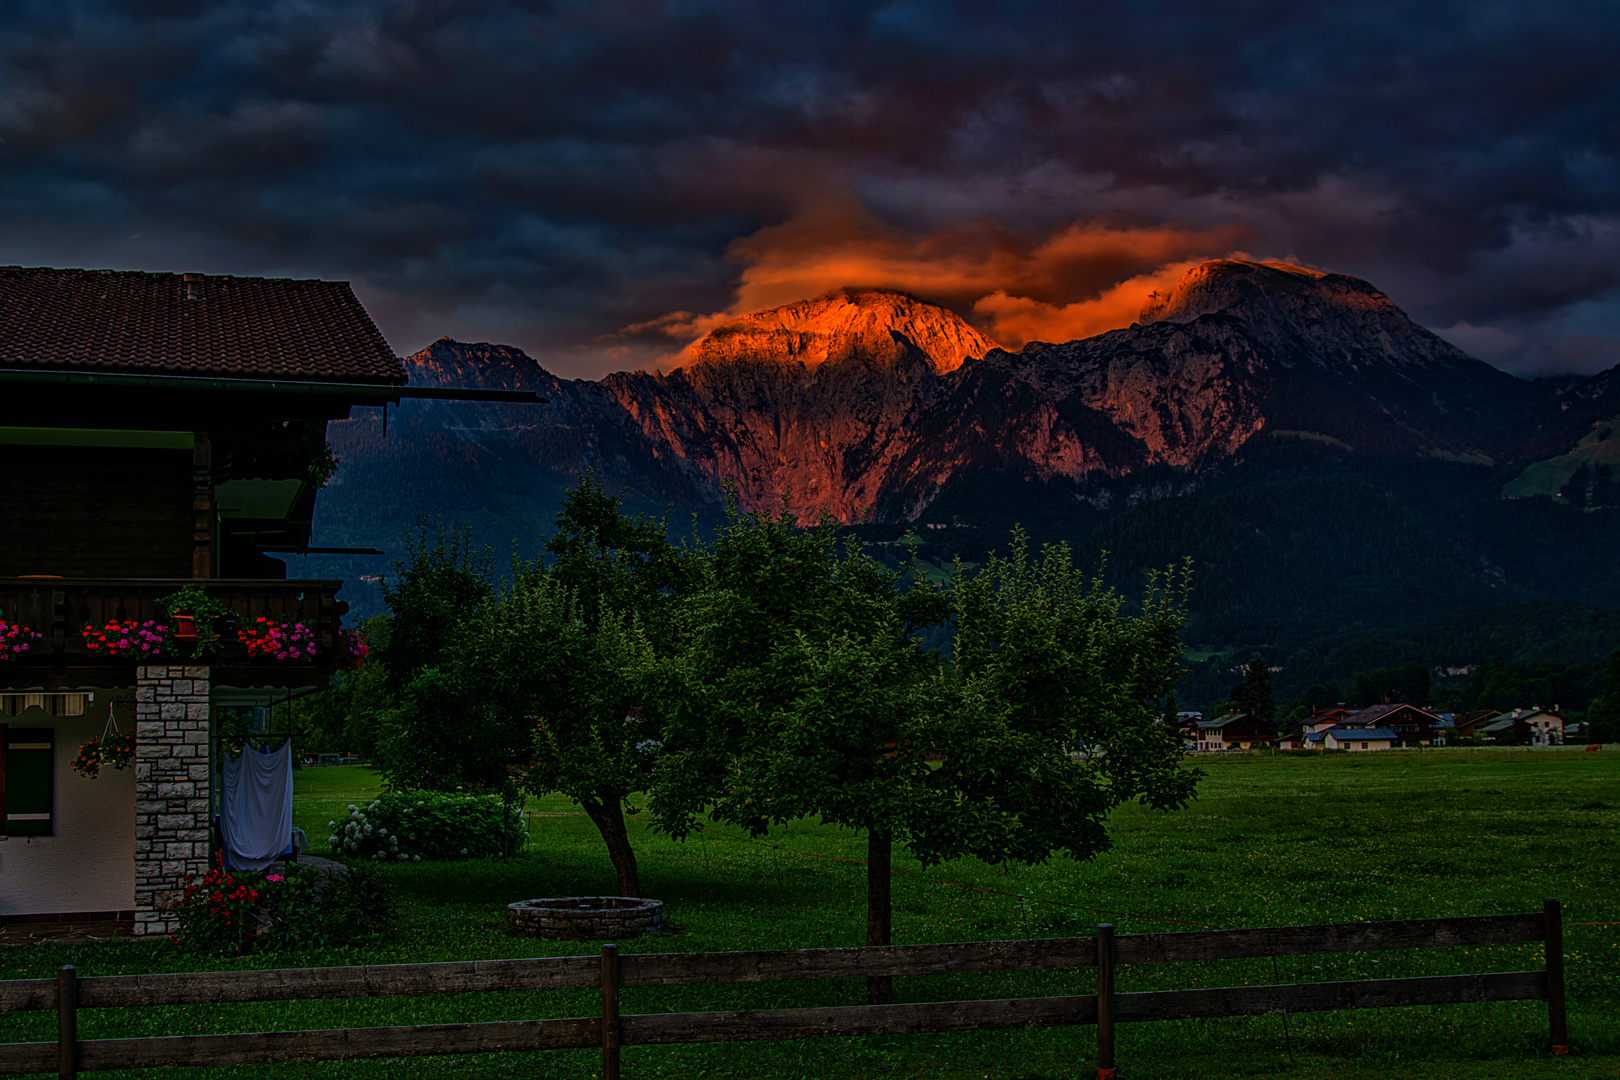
<point x="1083" y="279"/>
<point x="1017" y="320"/>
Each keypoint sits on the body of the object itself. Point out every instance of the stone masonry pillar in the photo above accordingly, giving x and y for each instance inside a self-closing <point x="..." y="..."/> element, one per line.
<point x="171" y="788"/>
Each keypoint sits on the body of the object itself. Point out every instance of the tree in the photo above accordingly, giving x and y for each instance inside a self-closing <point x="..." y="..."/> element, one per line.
<point x="536" y="684"/>
<point x="1254" y="695"/>
<point x="1604" y="712"/>
<point x="1405" y="683"/>
<point x="802" y="690"/>
<point x="566" y="655"/>
<point x="442" y="736"/>
<point x="1320" y="696"/>
<point x="447" y="734"/>
<point x="349" y="715"/>
<point x="440" y="585"/>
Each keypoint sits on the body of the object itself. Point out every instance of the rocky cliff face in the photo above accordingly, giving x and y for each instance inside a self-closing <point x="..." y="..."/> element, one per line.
<point x="809" y="404"/>
<point x="877" y="327"/>
<point x="870" y="403"/>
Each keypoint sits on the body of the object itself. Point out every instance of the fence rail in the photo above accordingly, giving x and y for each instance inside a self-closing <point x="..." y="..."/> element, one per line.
<point x="611" y="972"/>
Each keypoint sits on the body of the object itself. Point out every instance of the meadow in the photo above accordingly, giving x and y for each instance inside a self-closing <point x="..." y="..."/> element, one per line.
<point x="1270" y="841"/>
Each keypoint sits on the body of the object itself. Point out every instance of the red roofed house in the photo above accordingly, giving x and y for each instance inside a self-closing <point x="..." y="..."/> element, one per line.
<point x="1412" y="726"/>
<point x="1323" y="719"/>
<point x="159" y="431"/>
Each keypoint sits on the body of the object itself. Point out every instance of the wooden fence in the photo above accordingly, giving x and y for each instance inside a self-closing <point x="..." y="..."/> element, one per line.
<point x="611" y="972"/>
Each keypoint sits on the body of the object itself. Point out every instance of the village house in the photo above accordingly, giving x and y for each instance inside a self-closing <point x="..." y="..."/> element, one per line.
<point x="1413" y="727"/>
<point x="1322" y="719"/>
<point x="1234" y="731"/>
<point x="1358" y="739"/>
<point x="163" y="431"/>
<point x="1470" y="725"/>
<point x="1526" y="727"/>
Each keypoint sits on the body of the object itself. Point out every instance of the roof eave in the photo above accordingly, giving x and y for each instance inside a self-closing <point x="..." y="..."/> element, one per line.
<point x="362" y="393"/>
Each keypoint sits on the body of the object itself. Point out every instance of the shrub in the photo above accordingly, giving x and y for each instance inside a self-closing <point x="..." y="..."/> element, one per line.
<point x="409" y="826"/>
<point x="235" y="912"/>
<point x="216" y="912"/>
<point x="358" y="906"/>
<point x="289" y="913"/>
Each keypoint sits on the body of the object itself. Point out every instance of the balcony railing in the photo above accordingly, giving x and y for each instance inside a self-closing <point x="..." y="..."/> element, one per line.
<point x="61" y="608"/>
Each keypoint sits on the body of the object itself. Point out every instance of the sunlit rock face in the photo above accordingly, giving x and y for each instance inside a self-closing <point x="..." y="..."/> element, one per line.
<point x="878" y="327"/>
<point x="1325" y="319"/>
<point x="806" y="406"/>
<point x="865" y="403"/>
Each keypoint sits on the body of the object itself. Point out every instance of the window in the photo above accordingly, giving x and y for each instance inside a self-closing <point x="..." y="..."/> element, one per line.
<point x="26" y="758"/>
<point x="1364" y="746"/>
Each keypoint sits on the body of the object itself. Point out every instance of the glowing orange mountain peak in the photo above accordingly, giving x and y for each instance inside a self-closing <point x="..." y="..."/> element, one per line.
<point x="878" y="326"/>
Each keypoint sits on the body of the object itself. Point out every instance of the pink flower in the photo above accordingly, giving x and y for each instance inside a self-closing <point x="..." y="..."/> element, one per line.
<point x="274" y="877"/>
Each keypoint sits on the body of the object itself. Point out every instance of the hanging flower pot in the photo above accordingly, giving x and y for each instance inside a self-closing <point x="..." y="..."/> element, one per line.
<point x="185" y="626"/>
<point x="113" y="748"/>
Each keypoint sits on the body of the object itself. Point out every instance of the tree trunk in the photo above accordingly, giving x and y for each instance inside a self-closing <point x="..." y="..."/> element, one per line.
<point x="607" y="812"/>
<point x="879" y="911"/>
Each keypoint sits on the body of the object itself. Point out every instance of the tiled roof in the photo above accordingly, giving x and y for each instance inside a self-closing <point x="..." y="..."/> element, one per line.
<point x="1361" y="734"/>
<point x="126" y="321"/>
<point x="1374" y="713"/>
<point x="1221" y="722"/>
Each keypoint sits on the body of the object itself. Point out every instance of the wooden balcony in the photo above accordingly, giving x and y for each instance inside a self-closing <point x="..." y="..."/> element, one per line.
<point x="61" y="608"/>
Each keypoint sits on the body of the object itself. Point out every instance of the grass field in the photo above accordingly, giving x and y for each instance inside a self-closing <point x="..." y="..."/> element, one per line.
<point x="1270" y="841"/>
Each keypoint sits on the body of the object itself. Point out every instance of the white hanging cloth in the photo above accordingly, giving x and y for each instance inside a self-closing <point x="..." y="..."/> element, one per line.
<point x="257" y="821"/>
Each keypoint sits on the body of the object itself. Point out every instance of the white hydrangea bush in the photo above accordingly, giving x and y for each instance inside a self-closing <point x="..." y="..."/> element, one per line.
<point x="409" y="826"/>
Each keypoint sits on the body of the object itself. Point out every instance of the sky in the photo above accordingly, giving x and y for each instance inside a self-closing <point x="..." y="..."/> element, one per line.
<point x="598" y="182"/>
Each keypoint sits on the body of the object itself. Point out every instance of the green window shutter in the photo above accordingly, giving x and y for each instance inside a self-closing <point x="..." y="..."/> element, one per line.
<point x="28" y="760"/>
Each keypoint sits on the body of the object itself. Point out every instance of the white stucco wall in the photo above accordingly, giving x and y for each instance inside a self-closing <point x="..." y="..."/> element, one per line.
<point x="89" y="862"/>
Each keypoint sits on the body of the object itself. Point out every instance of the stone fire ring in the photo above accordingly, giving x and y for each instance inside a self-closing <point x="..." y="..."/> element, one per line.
<point x="585" y="918"/>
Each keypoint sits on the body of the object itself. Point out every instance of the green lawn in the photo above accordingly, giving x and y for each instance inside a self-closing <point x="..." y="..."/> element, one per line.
<point x="1270" y="841"/>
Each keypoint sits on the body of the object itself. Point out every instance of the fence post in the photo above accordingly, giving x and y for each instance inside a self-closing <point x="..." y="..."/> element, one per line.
<point x="610" y="1012"/>
<point x="67" y="1022"/>
<point x="1105" y="1002"/>
<point x="1552" y="917"/>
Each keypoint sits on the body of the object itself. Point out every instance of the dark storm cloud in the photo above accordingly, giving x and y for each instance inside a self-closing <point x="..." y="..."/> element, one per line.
<point x="549" y="173"/>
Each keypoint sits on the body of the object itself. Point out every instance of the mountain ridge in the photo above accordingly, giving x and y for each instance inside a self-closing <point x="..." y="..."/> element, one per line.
<point x="1336" y="470"/>
<point x="868" y="403"/>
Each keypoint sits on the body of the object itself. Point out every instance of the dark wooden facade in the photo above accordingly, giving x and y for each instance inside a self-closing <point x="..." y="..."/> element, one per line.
<point x="96" y="511"/>
<point x="164" y="430"/>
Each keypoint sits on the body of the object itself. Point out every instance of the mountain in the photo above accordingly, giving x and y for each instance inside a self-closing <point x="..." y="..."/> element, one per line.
<point x="875" y="405"/>
<point x="810" y="405"/>
<point x="877" y="327"/>
<point x="1336" y="469"/>
<point x="872" y="405"/>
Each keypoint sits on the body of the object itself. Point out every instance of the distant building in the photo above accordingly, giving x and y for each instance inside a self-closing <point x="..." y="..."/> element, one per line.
<point x="1412" y="726"/>
<point x="1322" y="719"/>
<point x="1471" y="724"/>
<point x="1234" y="731"/>
<point x="1358" y="739"/>
<point x="1526" y="727"/>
